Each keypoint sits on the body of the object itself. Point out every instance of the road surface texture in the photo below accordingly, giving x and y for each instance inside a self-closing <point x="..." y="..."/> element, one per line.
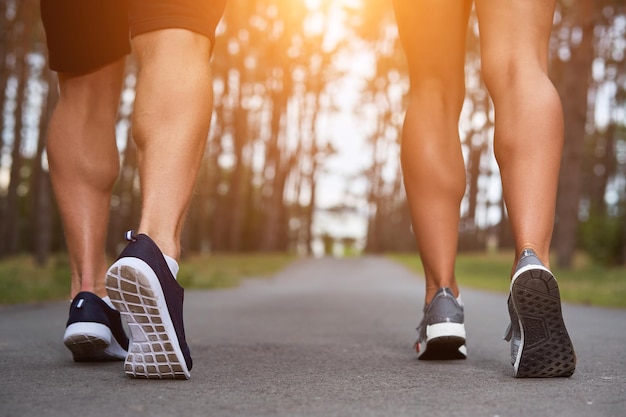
<point x="325" y="337"/>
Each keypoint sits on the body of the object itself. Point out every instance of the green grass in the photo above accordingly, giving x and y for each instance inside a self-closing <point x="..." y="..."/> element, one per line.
<point x="584" y="284"/>
<point x="227" y="270"/>
<point x="21" y="281"/>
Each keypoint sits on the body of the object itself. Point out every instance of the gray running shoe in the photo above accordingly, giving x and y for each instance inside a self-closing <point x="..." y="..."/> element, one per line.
<point x="540" y="344"/>
<point x="441" y="333"/>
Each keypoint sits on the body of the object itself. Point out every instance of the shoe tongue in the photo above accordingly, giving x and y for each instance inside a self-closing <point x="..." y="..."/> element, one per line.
<point x="172" y="264"/>
<point x="459" y="300"/>
<point x="528" y="257"/>
<point x="108" y="302"/>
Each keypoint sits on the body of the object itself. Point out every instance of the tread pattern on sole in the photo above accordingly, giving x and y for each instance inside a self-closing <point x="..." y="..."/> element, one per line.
<point x="151" y="353"/>
<point x="88" y="348"/>
<point x="547" y="350"/>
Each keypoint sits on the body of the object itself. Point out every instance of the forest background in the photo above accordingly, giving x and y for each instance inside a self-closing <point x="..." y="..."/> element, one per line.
<point x="303" y="154"/>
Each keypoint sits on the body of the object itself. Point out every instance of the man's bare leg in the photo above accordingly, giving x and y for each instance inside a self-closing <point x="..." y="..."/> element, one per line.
<point x="84" y="165"/>
<point x="170" y="126"/>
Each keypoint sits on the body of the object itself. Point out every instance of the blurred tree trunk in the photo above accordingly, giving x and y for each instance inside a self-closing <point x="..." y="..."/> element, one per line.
<point x="239" y="181"/>
<point x="213" y="180"/>
<point x="11" y="220"/>
<point x="307" y="179"/>
<point x="476" y="152"/>
<point x="195" y="232"/>
<point x="602" y="168"/>
<point x="623" y="251"/>
<point x="376" y="196"/>
<point x="309" y="182"/>
<point x="277" y="167"/>
<point x="8" y="45"/>
<point x="42" y="216"/>
<point x="5" y="44"/>
<point x="124" y="213"/>
<point x="574" y="89"/>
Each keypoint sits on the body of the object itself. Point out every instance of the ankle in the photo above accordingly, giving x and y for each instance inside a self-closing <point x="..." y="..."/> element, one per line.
<point x="167" y="244"/>
<point x="543" y="255"/>
<point x="432" y="290"/>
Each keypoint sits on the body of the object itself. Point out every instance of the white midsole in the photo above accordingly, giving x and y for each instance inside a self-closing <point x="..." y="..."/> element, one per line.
<point x="527" y="268"/>
<point x="98" y="331"/>
<point x="137" y="334"/>
<point x="91" y="329"/>
<point x="434" y="331"/>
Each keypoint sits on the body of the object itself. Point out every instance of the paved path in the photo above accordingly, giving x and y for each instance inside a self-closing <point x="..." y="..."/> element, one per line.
<point x="324" y="338"/>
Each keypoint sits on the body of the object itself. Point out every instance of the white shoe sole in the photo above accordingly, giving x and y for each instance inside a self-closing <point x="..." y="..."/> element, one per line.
<point x="154" y="351"/>
<point x="434" y="331"/>
<point x="90" y="341"/>
<point x="444" y="341"/>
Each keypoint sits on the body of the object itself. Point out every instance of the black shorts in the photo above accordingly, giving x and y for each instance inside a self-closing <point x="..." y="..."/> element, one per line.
<point x="83" y="35"/>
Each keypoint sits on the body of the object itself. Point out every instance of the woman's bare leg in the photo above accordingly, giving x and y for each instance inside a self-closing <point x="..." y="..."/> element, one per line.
<point x="529" y="120"/>
<point x="528" y="142"/>
<point x="433" y="34"/>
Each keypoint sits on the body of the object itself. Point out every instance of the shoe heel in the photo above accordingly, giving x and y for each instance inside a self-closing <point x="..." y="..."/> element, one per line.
<point x="546" y="349"/>
<point x="153" y="352"/>
<point x="87" y="341"/>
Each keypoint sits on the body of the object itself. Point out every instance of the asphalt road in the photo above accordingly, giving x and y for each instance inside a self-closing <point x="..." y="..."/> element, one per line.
<point x="324" y="337"/>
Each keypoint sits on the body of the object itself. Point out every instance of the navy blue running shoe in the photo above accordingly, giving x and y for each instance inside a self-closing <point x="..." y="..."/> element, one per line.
<point x="441" y="333"/>
<point x="142" y="287"/>
<point x="540" y="344"/>
<point x="94" y="331"/>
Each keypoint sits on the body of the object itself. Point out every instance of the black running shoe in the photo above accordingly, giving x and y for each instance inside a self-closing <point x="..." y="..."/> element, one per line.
<point x="94" y="331"/>
<point x="540" y="344"/>
<point x="441" y="333"/>
<point x="143" y="289"/>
